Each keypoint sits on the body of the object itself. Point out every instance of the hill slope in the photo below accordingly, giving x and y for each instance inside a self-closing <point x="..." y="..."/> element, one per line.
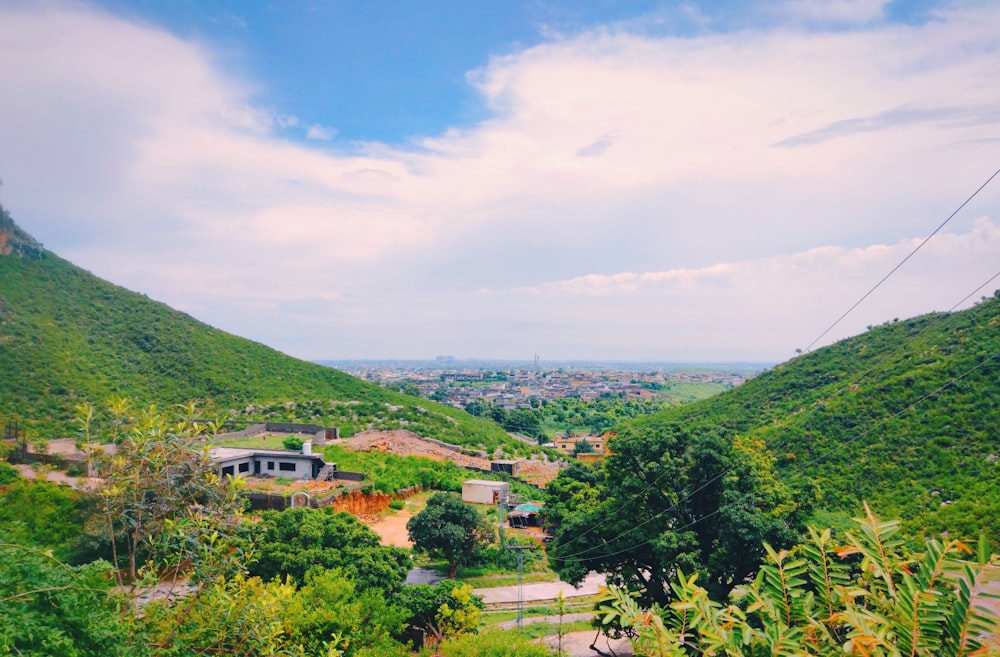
<point x="906" y="416"/>
<point x="67" y="336"/>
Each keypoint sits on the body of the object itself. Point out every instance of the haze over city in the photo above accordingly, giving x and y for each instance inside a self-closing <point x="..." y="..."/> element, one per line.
<point x="621" y="181"/>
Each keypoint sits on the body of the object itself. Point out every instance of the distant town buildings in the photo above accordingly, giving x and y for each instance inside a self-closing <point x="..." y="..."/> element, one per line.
<point x="513" y="389"/>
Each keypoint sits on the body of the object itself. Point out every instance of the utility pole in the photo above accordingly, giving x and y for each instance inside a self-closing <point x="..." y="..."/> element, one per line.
<point x="520" y="579"/>
<point x="502" y="501"/>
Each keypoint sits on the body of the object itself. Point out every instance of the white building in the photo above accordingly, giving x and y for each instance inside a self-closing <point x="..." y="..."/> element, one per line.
<point x="481" y="491"/>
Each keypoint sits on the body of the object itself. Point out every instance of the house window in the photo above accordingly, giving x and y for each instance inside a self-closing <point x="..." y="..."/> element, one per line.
<point x="270" y="465"/>
<point x="286" y="467"/>
<point x="228" y="471"/>
<point x="244" y="467"/>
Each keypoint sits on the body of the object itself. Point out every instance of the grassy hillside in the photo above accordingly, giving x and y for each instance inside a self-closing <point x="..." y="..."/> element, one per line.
<point x="906" y="416"/>
<point x="67" y="336"/>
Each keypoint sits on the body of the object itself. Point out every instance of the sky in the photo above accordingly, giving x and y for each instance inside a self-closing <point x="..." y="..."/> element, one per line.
<point x="641" y="180"/>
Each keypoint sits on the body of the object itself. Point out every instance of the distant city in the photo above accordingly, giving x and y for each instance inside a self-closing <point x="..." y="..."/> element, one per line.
<point x="513" y="384"/>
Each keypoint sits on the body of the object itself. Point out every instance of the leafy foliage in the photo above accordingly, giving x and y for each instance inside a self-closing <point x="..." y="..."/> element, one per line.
<point x="493" y="644"/>
<point x="881" y="601"/>
<point x="904" y="416"/>
<point x="670" y="499"/>
<point x="52" y="517"/>
<point x="48" y="608"/>
<point x="450" y="529"/>
<point x="67" y="337"/>
<point x="8" y="474"/>
<point x="293" y="542"/>
<point x="442" y="610"/>
<point x="160" y="471"/>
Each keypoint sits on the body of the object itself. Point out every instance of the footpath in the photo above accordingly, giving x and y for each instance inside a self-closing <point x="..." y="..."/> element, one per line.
<point x="536" y="591"/>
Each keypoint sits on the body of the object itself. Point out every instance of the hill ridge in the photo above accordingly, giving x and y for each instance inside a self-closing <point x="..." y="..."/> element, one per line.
<point x="67" y="336"/>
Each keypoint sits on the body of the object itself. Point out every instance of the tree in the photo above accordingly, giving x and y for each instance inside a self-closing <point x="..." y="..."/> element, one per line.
<point x="866" y="596"/>
<point x="290" y="543"/>
<point x="449" y="529"/>
<point x="331" y="611"/>
<point x="670" y="499"/>
<point x="161" y="470"/>
<point x="582" y="447"/>
<point x="50" y="608"/>
<point x="45" y="515"/>
<point x="442" y="610"/>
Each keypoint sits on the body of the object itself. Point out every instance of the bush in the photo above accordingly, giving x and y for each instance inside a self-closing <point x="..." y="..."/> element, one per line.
<point x="397" y="504"/>
<point x="8" y="473"/>
<point x="74" y="471"/>
<point x="293" y="443"/>
<point x="493" y="644"/>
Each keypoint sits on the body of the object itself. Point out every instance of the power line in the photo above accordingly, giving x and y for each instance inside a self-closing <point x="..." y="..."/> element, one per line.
<point x="846" y="386"/>
<point x="903" y="261"/>
<point x="949" y="383"/>
<point x="651" y="485"/>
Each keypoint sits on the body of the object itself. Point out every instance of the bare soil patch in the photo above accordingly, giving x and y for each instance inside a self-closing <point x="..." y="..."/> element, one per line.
<point x="392" y="529"/>
<point x="400" y="442"/>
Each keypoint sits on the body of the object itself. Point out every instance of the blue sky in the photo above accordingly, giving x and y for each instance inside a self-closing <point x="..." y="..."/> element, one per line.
<point x="617" y="180"/>
<point x="390" y="71"/>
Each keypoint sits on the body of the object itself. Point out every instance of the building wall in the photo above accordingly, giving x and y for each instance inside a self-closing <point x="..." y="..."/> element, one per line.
<point x="481" y="492"/>
<point x="271" y="465"/>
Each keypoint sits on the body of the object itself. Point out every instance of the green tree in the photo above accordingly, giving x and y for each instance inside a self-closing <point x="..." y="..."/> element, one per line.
<point x="442" y="610"/>
<point x="49" y="608"/>
<point x="670" y="500"/>
<point x="48" y="516"/>
<point x="881" y="602"/>
<point x="160" y="470"/>
<point x="290" y="543"/>
<point x="331" y="611"/>
<point x="236" y="616"/>
<point x="8" y="474"/>
<point x="449" y="529"/>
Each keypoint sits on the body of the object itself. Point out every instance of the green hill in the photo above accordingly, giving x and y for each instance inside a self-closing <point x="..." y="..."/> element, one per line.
<point x="905" y="416"/>
<point x="67" y="336"/>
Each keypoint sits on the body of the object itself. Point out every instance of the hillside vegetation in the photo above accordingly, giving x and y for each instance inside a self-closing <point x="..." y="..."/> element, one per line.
<point x="66" y="336"/>
<point x="906" y="416"/>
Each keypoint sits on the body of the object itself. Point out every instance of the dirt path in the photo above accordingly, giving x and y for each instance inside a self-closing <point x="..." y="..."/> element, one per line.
<point x="577" y="644"/>
<point x="392" y="529"/>
<point x="59" y="477"/>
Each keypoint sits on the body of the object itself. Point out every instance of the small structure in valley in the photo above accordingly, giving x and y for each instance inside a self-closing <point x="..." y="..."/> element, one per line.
<point x="526" y="515"/>
<point x="236" y="461"/>
<point x="482" y="491"/>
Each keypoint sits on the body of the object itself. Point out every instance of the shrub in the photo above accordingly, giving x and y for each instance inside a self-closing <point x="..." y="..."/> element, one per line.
<point x="74" y="471"/>
<point x="397" y="504"/>
<point x="293" y="443"/>
<point x="8" y="473"/>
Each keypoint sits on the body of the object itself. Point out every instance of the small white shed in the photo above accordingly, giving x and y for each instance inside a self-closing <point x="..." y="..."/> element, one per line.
<point x="482" y="491"/>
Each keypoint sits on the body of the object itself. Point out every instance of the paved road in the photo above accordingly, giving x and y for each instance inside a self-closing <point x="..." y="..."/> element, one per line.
<point x="542" y="590"/>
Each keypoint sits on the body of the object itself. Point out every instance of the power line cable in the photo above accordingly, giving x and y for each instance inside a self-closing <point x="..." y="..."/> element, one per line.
<point x="825" y="332"/>
<point x="824" y="455"/>
<point x="846" y="386"/>
<point x="903" y="261"/>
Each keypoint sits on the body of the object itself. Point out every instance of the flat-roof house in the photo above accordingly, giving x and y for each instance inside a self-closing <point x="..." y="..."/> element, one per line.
<point x="482" y="491"/>
<point x="236" y="461"/>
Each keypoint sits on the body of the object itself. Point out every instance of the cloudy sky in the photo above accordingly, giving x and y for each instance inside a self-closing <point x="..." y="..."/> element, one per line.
<point x="605" y="180"/>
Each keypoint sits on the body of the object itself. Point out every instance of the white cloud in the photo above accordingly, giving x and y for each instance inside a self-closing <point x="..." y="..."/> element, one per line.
<point x="834" y="11"/>
<point x="320" y="132"/>
<point x="747" y="170"/>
